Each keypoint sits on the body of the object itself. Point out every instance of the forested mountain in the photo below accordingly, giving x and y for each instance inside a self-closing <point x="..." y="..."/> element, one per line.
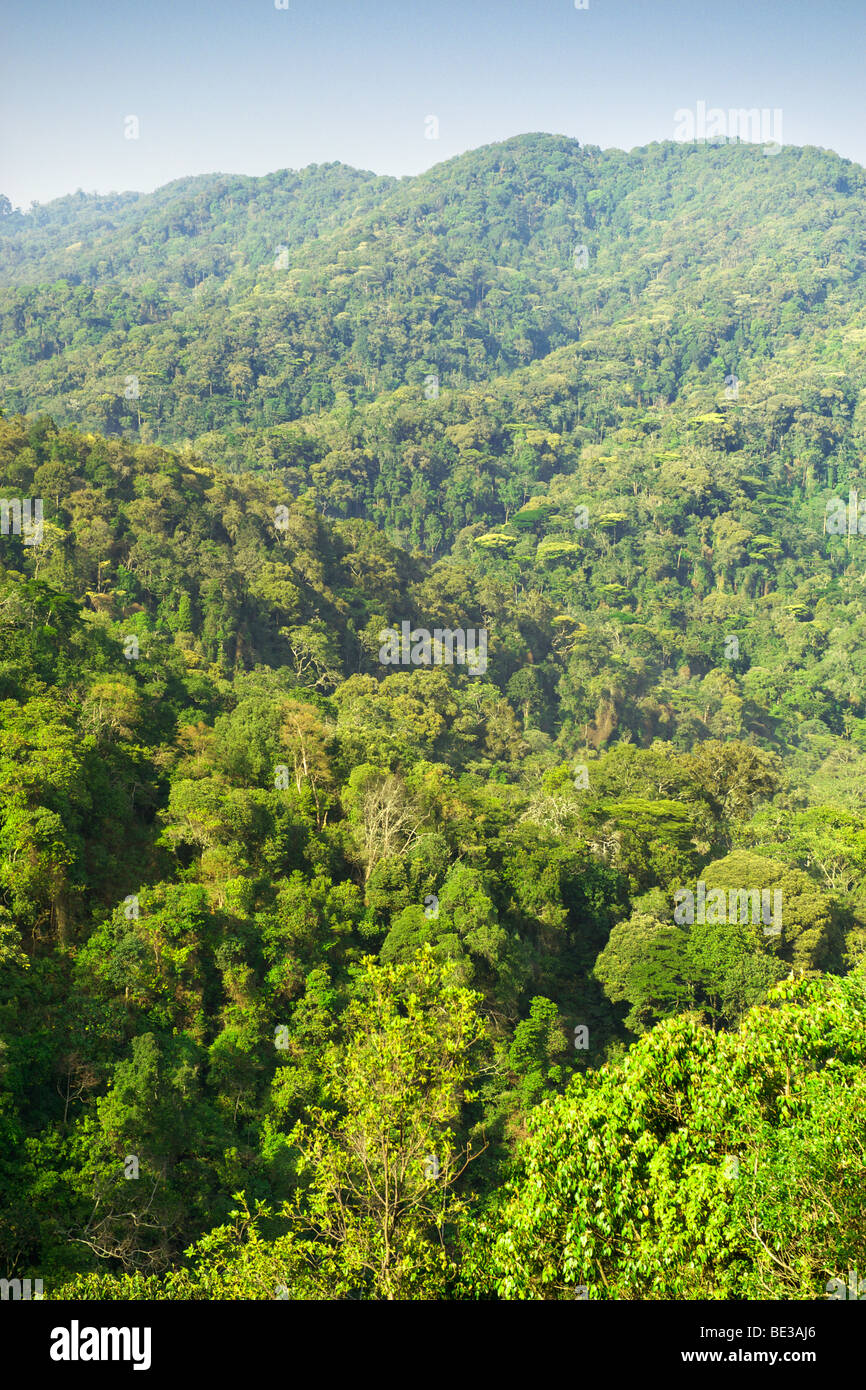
<point x="252" y="302"/>
<point x="284" y="927"/>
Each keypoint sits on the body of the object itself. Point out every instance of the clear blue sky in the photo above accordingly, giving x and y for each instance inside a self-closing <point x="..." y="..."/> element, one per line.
<point x="240" y="86"/>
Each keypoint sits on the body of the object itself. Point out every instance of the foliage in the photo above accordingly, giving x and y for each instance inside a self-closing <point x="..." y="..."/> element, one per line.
<point x="280" y="922"/>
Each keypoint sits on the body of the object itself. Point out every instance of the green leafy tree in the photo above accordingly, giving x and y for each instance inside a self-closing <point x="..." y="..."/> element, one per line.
<point x="709" y="1165"/>
<point x="380" y="1164"/>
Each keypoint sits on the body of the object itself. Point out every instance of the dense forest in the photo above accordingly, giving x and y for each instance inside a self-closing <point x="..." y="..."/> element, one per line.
<point x="323" y="977"/>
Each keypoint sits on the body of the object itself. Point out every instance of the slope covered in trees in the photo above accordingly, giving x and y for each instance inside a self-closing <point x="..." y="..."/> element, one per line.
<point x="249" y="303"/>
<point x="314" y="970"/>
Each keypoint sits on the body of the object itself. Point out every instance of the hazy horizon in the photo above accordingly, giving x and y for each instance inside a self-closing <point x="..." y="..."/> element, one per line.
<point x="266" y="173"/>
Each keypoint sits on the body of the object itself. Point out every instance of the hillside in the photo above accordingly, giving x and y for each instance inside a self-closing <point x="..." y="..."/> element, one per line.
<point x="253" y="302"/>
<point x="270" y="904"/>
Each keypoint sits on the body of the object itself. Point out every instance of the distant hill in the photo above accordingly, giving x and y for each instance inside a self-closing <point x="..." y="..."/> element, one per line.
<point x="242" y="302"/>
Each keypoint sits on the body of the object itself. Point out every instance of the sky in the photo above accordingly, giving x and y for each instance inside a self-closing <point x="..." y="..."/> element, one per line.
<point x="245" y="87"/>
